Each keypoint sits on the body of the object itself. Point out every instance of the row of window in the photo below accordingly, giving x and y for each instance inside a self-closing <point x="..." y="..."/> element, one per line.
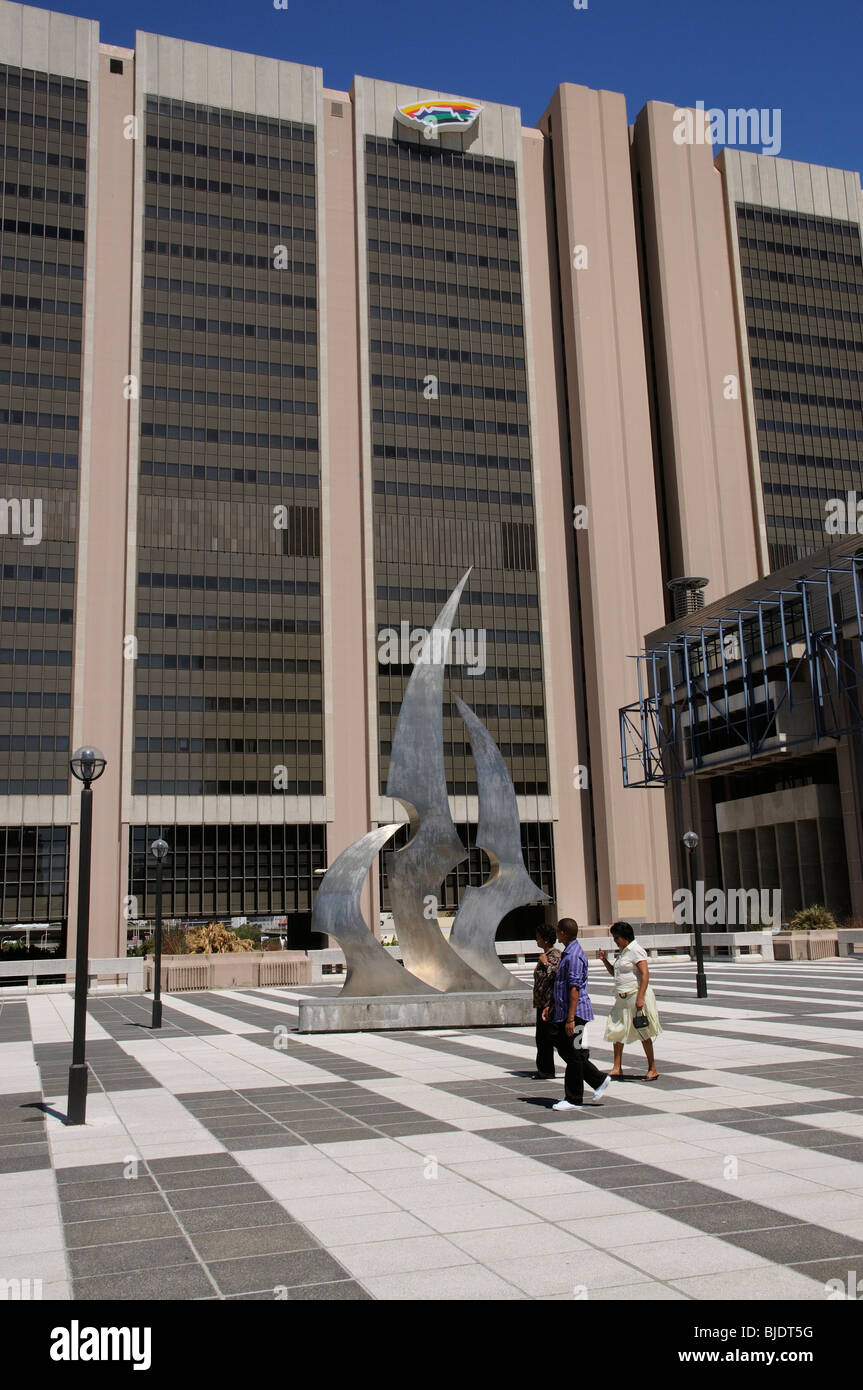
<point x="442" y="190"/>
<point x="391" y="315"/>
<point x="230" y="190"/>
<point x="814" y="282"/>
<point x="34" y="267"/>
<point x="810" y="253"/>
<point x="223" y="583"/>
<point x="450" y="388"/>
<point x="451" y="422"/>
<point x="440" y="224"/>
<point x="211" y="472"/>
<point x="28" y="155"/>
<point x="392" y="451"/>
<point x="18" y="227"/>
<point x="436" y="253"/>
<point x="816" y="311"/>
<point x="247" y="437"/>
<point x="456" y="494"/>
<point x="215" y="256"/>
<point x="781" y="335"/>
<point x="807" y="461"/>
<point x="798" y="427"/>
<point x="229" y="155"/>
<point x="40" y="419"/>
<point x="42" y="379"/>
<point x="800" y="490"/>
<point x="408" y="282"/>
<point x="32" y="121"/>
<point x="22" y="657"/>
<point x="229" y="120"/>
<point x="485" y="597"/>
<point x="25" y="80"/>
<point x="222" y="622"/>
<point x="38" y="574"/>
<point x="43" y="195"/>
<point x="37" y="458"/>
<point x="210" y="290"/>
<point x="34" y="786"/>
<point x="230" y="364"/>
<point x="448" y="159"/>
<point x="225" y="704"/>
<point x="264" y="666"/>
<point x="223" y="787"/>
<point x="450" y="711"/>
<point x="228" y="327"/>
<point x="9" y="614"/>
<point x="488" y="673"/>
<point x="802" y="398"/>
<point x="45" y="306"/>
<point x="772" y="364"/>
<point x="37" y="340"/>
<point x="431" y="352"/>
<point x="225" y="398"/>
<point x="801" y="220"/>
<point x="228" y="224"/>
<point x="266" y="746"/>
<point x="34" y="699"/>
<point x="34" y="743"/>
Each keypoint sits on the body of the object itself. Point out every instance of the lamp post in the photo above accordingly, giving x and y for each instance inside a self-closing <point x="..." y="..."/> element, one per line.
<point x="158" y="849"/>
<point x="690" y="841"/>
<point x="86" y="764"/>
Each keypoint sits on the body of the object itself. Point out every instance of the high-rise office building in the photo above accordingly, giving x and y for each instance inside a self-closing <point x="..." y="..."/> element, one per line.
<point x="281" y="370"/>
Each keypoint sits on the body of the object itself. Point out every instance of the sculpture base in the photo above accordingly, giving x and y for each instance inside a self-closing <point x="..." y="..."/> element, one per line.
<point x="496" y="1009"/>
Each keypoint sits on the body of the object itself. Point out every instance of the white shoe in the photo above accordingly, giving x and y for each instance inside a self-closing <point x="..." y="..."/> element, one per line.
<point x="602" y="1088"/>
<point x="565" y="1105"/>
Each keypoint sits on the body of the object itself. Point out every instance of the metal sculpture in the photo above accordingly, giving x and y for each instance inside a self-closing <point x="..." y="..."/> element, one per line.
<point x="499" y="834"/>
<point x="468" y="962"/>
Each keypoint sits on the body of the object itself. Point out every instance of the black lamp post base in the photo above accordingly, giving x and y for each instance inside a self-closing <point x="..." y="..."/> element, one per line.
<point x="76" y="1105"/>
<point x="701" y="986"/>
<point x="157" y="1014"/>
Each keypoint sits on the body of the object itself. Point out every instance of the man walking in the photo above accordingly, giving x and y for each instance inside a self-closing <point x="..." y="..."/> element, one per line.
<point x="572" y="1012"/>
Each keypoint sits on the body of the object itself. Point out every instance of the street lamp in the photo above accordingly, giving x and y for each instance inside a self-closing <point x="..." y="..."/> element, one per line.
<point x="690" y="841"/>
<point x="158" y="849"/>
<point x="86" y="764"/>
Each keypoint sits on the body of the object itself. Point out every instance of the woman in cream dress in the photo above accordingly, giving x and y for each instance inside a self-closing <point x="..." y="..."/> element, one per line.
<point x="633" y="995"/>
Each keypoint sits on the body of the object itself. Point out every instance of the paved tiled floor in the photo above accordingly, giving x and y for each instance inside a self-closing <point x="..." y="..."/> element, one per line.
<point x="227" y="1157"/>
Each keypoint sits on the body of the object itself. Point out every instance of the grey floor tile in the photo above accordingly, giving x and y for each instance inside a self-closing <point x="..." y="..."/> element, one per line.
<point x="253" y="1241"/>
<point x="115" y="1230"/>
<point x="192" y="1199"/>
<point x="136" y="1254"/>
<point x="794" y="1244"/>
<point x="180" y="1282"/>
<point x="234" y="1216"/>
<point x="97" y="1208"/>
<point x="273" y="1271"/>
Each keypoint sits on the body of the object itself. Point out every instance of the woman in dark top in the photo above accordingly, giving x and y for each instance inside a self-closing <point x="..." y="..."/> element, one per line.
<point x="543" y="995"/>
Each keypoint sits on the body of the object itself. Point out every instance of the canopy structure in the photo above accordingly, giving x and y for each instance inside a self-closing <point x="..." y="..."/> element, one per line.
<point x="770" y="667"/>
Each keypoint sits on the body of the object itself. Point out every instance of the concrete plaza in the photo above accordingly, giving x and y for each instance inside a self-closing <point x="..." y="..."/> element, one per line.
<point x="229" y="1157"/>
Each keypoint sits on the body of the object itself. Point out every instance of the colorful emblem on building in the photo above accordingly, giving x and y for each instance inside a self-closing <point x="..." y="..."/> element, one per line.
<point x="431" y="117"/>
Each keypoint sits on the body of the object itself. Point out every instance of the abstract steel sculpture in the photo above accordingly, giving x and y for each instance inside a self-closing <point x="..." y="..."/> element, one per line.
<point x="468" y="961"/>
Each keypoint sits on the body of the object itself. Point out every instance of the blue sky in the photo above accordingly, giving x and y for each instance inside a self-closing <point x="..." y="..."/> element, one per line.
<point x="796" y="55"/>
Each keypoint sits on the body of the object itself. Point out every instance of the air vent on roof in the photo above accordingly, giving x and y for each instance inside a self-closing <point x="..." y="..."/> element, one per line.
<point x="117" y="65"/>
<point x="337" y="108"/>
<point x="687" y="593"/>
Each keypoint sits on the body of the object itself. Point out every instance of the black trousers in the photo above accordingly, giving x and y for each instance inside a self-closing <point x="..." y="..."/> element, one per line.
<point x="579" y="1067"/>
<point x="544" y="1045"/>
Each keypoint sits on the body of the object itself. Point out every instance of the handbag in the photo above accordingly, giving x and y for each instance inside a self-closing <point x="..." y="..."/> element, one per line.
<point x="640" y="1020"/>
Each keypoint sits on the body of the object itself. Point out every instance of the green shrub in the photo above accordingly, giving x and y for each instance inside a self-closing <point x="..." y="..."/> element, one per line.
<point x="815" y="918"/>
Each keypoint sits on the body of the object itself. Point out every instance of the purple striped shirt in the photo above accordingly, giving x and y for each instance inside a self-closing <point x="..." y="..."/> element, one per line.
<point x="572" y="974"/>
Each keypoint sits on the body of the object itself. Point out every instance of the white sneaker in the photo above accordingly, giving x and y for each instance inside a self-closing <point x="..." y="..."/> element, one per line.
<point x="602" y="1088"/>
<point x="565" y="1105"/>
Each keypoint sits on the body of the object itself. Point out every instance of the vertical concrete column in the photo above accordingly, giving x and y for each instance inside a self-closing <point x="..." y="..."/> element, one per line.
<point x="697" y="359"/>
<point x="101" y="577"/>
<point x="620" y="578"/>
<point x="565" y="714"/>
<point x="343" y="560"/>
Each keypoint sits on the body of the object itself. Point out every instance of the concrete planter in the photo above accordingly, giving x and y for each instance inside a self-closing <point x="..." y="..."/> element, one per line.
<point x="805" y="945"/>
<point x="232" y="970"/>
